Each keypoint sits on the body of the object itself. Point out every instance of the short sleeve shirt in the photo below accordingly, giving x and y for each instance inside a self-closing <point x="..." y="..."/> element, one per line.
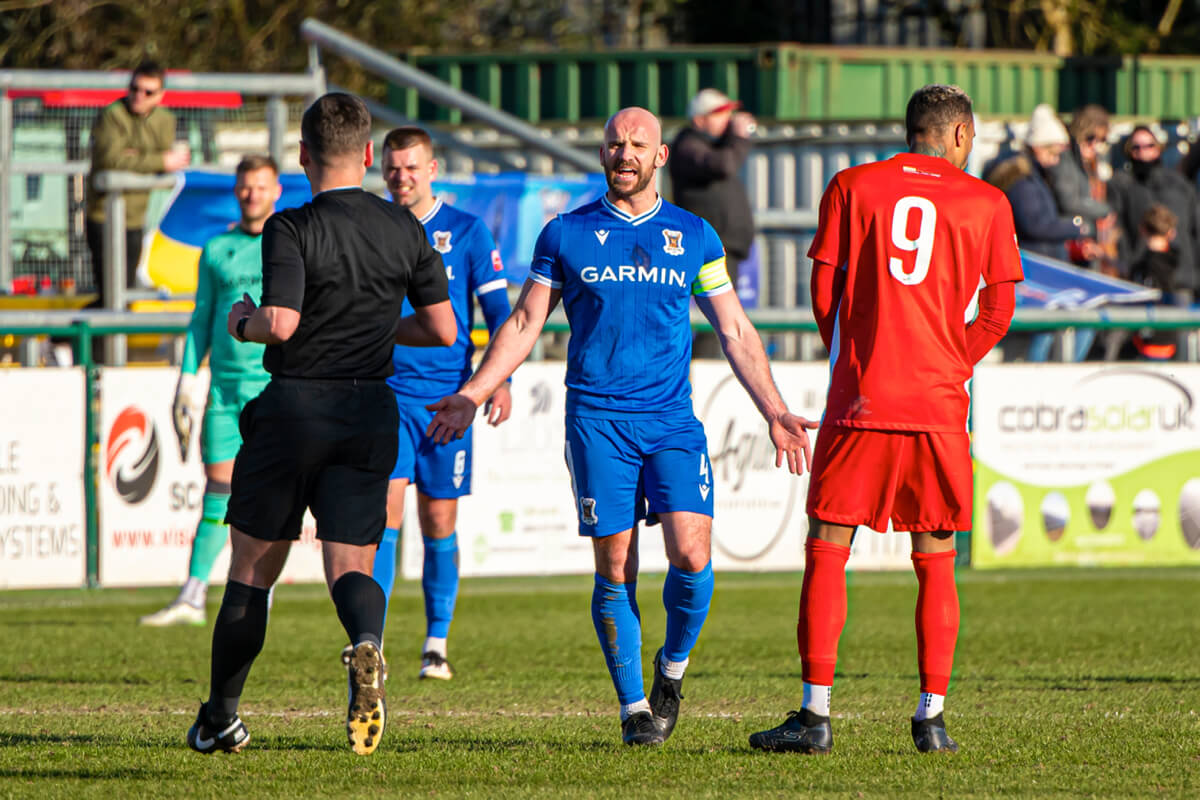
<point x="473" y="269"/>
<point x="916" y="238"/>
<point x="346" y="261"/>
<point x="627" y="283"/>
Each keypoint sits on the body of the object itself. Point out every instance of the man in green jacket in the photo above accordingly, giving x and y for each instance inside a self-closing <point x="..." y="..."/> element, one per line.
<point x="135" y="135"/>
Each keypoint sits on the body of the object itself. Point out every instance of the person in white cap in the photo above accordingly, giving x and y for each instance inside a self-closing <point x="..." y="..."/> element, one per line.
<point x="706" y="159"/>
<point x="1040" y="224"/>
<point x="1041" y="227"/>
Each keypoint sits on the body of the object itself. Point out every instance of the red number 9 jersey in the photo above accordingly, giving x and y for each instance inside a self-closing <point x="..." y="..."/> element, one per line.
<point x="917" y="238"/>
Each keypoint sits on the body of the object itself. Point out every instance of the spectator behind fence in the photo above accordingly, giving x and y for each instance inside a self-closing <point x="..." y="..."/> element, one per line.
<point x="1156" y="267"/>
<point x="133" y="134"/>
<point x="706" y="158"/>
<point x="1144" y="182"/>
<point x="1041" y="226"/>
<point x="1080" y="185"/>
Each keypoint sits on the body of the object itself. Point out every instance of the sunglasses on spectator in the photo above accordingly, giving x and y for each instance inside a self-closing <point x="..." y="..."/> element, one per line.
<point x="142" y="90"/>
<point x="1144" y="146"/>
<point x="1093" y="138"/>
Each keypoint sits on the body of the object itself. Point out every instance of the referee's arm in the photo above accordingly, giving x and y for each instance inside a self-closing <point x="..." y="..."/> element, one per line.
<point x="276" y="320"/>
<point x="428" y="326"/>
<point x="263" y="324"/>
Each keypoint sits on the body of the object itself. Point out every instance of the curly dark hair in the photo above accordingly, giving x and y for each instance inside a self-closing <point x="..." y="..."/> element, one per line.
<point x="933" y="107"/>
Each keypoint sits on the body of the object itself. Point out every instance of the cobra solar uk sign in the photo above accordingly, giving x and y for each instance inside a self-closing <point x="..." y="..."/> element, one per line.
<point x="1086" y="464"/>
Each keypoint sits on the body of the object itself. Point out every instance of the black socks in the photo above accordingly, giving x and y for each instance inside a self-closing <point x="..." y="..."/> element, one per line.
<point x="238" y="636"/>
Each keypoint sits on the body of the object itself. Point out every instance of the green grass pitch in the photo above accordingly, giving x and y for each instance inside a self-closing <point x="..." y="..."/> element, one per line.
<point x="1067" y="683"/>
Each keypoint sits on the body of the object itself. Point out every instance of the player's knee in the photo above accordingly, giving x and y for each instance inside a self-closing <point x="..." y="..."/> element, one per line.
<point x="438" y="518"/>
<point x="693" y="560"/>
<point x="395" y="503"/>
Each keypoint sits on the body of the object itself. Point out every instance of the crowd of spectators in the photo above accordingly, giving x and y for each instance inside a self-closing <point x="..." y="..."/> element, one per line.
<point x="1138" y="219"/>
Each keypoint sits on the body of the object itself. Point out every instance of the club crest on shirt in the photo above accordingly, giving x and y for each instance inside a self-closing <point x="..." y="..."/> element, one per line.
<point x="441" y="241"/>
<point x="587" y="510"/>
<point x="673" y="245"/>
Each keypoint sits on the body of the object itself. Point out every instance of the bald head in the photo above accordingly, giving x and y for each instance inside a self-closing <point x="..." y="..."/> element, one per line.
<point x="634" y="118"/>
<point x="633" y="150"/>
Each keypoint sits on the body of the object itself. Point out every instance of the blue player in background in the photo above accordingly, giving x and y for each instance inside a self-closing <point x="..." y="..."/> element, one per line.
<point x="626" y="268"/>
<point x="441" y="472"/>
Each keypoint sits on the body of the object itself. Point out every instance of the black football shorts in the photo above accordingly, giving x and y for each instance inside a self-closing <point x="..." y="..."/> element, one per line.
<point x="325" y="445"/>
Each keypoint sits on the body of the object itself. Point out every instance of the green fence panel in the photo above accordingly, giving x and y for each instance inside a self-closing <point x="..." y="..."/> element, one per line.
<point x="793" y="82"/>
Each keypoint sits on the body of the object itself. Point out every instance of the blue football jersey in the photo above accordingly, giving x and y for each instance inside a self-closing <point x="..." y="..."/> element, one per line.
<point x="473" y="270"/>
<point x="627" y="284"/>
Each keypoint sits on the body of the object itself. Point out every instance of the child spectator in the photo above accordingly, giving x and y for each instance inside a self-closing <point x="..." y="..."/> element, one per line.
<point x="1155" y="268"/>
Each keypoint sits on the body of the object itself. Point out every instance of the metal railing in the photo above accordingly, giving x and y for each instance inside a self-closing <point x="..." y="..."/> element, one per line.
<point x="323" y="36"/>
<point x="274" y="86"/>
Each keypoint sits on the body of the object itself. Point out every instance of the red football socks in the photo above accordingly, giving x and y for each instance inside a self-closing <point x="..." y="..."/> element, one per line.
<point x="937" y="619"/>
<point x="822" y="609"/>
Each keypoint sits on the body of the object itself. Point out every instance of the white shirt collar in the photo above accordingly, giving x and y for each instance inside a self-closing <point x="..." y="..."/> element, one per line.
<point x="437" y="206"/>
<point x="631" y="219"/>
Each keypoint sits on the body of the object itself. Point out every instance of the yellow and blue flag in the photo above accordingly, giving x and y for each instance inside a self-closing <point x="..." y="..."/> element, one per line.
<point x="514" y="206"/>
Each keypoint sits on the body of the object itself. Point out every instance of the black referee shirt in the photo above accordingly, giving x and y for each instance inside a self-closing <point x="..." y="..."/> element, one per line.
<point x="345" y="261"/>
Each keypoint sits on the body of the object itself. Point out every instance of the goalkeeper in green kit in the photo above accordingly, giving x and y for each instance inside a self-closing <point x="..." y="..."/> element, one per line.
<point x="230" y="266"/>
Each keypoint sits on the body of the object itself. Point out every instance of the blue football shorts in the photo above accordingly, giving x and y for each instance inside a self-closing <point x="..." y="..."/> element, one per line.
<point x="623" y="468"/>
<point x="442" y="471"/>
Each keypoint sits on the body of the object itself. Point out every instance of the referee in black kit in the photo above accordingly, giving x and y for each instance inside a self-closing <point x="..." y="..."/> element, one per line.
<point x="322" y="435"/>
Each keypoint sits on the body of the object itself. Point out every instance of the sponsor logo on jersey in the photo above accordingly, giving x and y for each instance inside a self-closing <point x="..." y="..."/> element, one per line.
<point x="253" y="281"/>
<point x="441" y="241"/>
<point x="602" y="236"/>
<point x="449" y="272"/>
<point x="497" y="264"/>
<point x="131" y="457"/>
<point x="629" y="273"/>
<point x="916" y="171"/>
<point x="673" y="244"/>
<point x="587" y="511"/>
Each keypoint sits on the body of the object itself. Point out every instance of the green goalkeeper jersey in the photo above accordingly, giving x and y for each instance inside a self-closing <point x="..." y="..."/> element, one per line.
<point x="230" y="265"/>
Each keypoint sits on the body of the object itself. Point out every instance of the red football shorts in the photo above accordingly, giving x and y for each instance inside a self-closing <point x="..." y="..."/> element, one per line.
<point x="920" y="481"/>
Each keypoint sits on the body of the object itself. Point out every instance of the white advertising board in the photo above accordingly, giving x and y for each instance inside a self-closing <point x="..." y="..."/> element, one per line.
<point x="43" y="533"/>
<point x="1086" y="464"/>
<point x="149" y="499"/>
<point x="759" y="520"/>
<point x="520" y="518"/>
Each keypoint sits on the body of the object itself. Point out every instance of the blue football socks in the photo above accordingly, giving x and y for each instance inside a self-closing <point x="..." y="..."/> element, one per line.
<point x="384" y="571"/>
<point x="439" y="580"/>
<point x="686" y="597"/>
<point x="619" y="628"/>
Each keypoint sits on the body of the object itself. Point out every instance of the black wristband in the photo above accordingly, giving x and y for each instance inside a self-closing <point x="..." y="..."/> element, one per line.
<point x="240" y="328"/>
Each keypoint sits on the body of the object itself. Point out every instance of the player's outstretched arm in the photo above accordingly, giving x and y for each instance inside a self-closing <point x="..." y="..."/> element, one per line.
<point x="428" y="326"/>
<point x="511" y="345"/>
<point x="744" y="349"/>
